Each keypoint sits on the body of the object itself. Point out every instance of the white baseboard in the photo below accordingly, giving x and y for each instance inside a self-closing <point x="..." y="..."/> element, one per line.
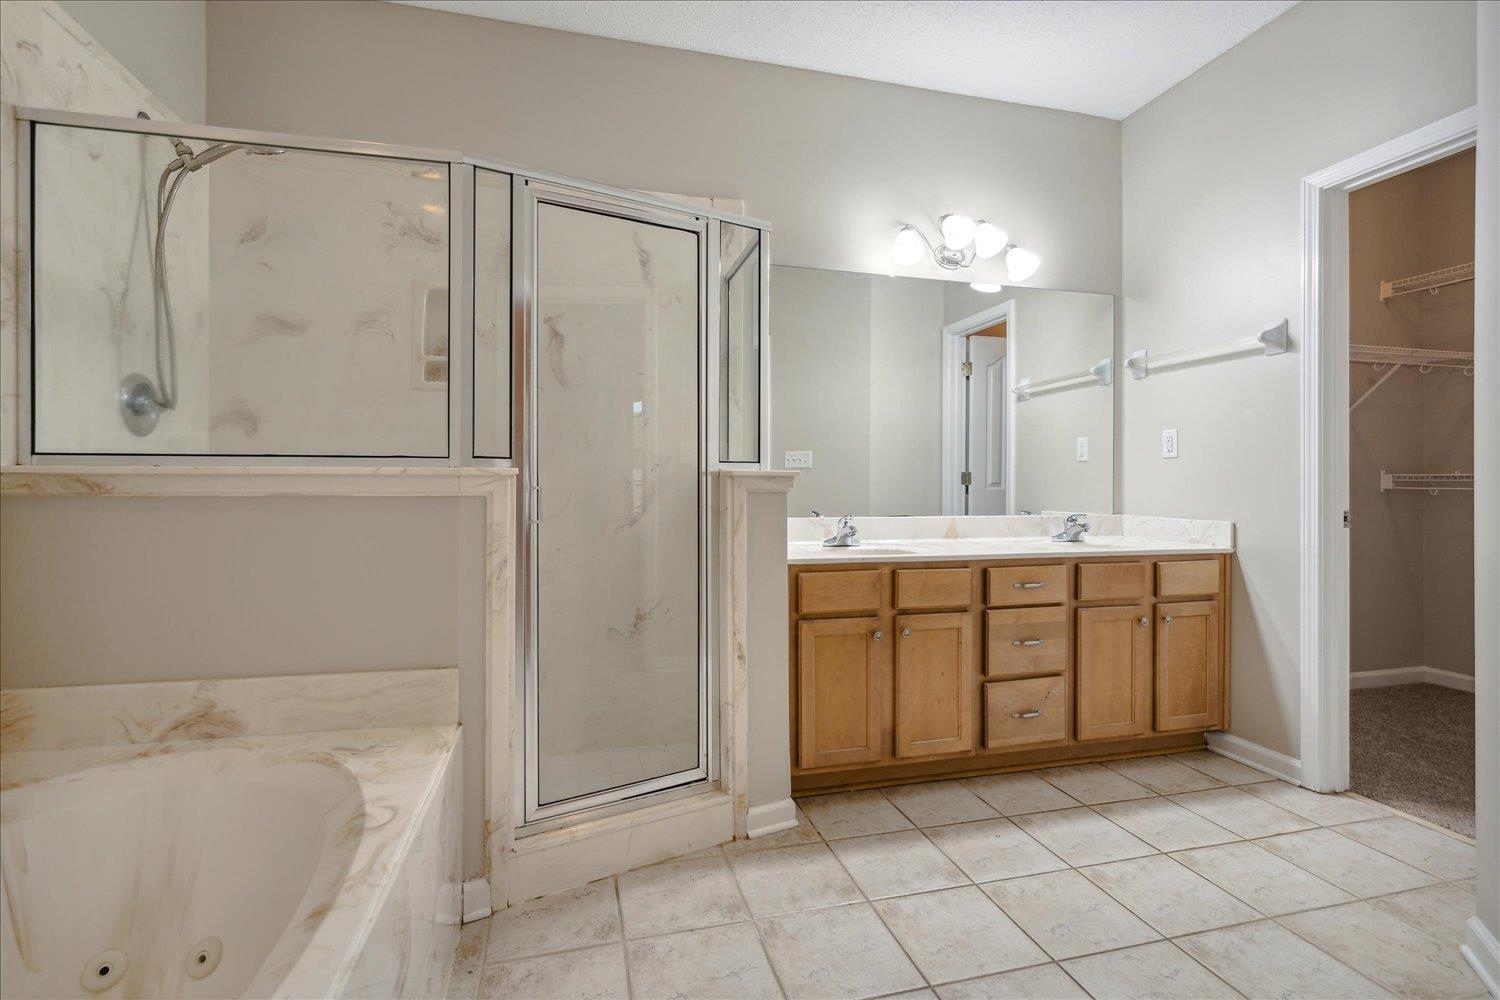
<point x="1483" y="953"/>
<point x="476" y="899"/>
<point x="1277" y="765"/>
<point x="772" y="817"/>
<point x="1411" y="675"/>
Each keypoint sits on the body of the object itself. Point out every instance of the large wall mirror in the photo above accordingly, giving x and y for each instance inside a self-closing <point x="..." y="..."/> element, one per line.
<point x="922" y="396"/>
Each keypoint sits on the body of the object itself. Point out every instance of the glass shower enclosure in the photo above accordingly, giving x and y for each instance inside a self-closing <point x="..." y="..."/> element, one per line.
<point x="262" y="299"/>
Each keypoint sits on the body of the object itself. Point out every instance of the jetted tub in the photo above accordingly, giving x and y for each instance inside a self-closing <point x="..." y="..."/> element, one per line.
<point x="306" y="865"/>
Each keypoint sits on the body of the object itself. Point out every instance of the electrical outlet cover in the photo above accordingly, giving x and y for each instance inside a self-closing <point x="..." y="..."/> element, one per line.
<point x="1083" y="449"/>
<point x="1169" y="443"/>
<point x="797" y="460"/>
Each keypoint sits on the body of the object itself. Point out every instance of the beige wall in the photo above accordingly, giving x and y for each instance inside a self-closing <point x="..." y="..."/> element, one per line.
<point x="833" y="162"/>
<point x="163" y="42"/>
<point x="1412" y="555"/>
<point x="107" y="590"/>
<point x="1212" y="250"/>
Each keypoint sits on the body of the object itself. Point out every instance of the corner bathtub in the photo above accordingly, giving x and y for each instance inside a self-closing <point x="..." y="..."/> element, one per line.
<point x="309" y="865"/>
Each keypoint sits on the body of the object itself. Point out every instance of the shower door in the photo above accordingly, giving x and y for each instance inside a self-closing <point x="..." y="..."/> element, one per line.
<point x="615" y="677"/>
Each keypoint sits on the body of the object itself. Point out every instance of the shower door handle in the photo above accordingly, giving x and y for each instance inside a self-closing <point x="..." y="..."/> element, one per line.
<point x="534" y="511"/>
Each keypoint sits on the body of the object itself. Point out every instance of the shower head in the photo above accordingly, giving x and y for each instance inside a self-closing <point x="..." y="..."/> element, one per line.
<point x="194" y="161"/>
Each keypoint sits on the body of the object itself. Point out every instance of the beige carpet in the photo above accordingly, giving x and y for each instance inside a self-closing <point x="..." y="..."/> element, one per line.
<point x="1412" y="747"/>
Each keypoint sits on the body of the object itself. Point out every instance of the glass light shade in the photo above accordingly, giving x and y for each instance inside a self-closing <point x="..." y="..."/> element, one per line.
<point x="985" y="287"/>
<point x="1021" y="263"/>
<point x="909" y="247"/>
<point x="958" y="231"/>
<point x="989" y="239"/>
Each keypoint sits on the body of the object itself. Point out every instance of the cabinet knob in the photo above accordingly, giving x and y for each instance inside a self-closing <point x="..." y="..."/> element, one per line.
<point x="1026" y="642"/>
<point x="1167" y="619"/>
<point x="879" y="635"/>
<point x="906" y="631"/>
<point x="1034" y="713"/>
<point x="1145" y="620"/>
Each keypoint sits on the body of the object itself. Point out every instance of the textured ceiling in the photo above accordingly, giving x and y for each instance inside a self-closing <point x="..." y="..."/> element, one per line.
<point x="1099" y="57"/>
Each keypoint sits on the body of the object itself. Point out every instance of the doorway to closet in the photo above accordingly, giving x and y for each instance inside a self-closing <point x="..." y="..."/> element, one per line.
<point x="1410" y="508"/>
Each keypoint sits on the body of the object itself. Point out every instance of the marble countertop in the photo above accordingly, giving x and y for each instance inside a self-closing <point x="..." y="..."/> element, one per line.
<point x="931" y="539"/>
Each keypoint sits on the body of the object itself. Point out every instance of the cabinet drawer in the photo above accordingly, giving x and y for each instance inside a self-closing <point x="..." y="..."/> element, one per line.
<point x="1026" y="641"/>
<point x="1009" y="586"/>
<point x="1188" y="578"/>
<point x="917" y="589"/>
<point x="1026" y="711"/>
<point x="848" y="591"/>
<point x="1113" y="581"/>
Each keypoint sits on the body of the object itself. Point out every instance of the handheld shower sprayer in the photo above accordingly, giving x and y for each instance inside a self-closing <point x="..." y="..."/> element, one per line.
<point x="141" y="400"/>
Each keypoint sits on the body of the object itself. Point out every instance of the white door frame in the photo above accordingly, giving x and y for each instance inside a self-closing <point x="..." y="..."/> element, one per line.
<point x="1325" y="433"/>
<point x="953" y="402"/>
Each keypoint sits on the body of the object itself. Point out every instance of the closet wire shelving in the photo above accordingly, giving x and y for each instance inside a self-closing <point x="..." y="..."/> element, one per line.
<point x="1431" y="281"/>
<point x="1430" y="482"/>
<point x="1390" y="360"/>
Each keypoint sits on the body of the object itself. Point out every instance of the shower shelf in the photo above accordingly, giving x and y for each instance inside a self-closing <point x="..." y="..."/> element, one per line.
<point x="1434" y="483"/>
<point x="1429" y="282"/>
<point x="1392" y="359"/>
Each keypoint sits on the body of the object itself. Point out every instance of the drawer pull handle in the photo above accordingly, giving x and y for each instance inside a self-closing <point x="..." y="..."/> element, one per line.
<point x="1027" y="642"/>
<point x="1028" y="585"/>
<point x="1034" y="713"/>
<point x="906" y="631"/>
<point x="1167" y="619"/>
<point x="879" y="636"/>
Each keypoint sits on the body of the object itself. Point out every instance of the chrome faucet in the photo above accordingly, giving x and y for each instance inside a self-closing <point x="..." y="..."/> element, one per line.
<point x="845" y="535"/>
<point x="1073" y="529"/>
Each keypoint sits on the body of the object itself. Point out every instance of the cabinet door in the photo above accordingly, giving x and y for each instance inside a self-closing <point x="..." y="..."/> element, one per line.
<point x="935" y="678"/>
<point x="843" y="691"/>
<point x="1189" y="681"/>
<point x="1113" y="688"/>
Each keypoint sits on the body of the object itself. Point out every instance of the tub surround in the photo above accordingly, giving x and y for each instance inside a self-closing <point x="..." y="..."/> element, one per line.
<point x="63" y="718"/>
<point x="920" y="539"/>
<point x="380" y="913"/>
<point x="958" y="646"/>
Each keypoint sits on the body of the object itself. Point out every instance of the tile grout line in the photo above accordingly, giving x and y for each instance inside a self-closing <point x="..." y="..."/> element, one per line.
<point x="760" y="941"/>
<point x="614" y="884"/>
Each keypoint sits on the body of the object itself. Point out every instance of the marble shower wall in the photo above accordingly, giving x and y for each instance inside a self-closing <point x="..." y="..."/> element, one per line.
<point x="329" y="305"/>
<point x="100" y="320"/>
<point x="618" y="468"/>
<point x="492" y="365"/>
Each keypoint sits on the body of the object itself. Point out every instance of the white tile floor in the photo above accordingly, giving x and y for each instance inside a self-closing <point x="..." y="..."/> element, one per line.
<point x="1181" y="876"/>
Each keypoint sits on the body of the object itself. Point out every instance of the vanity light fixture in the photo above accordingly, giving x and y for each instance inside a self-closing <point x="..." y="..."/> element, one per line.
<point x="965" y="240"/>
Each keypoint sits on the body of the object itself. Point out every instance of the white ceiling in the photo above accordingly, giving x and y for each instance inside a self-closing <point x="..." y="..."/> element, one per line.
<point x="1098" y="57"/>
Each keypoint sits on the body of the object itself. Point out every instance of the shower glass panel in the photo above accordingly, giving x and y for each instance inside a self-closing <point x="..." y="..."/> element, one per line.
<point x="618" y="670"/>
<point x="202" y="298"/>
<point x="739" y="343"/>
<point x="492" y="291"/>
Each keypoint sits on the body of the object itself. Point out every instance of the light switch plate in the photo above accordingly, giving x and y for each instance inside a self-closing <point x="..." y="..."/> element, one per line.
<point x="1083" y="449"/>
<point x="1169" y="443"/>
<point x="797" y="460"/>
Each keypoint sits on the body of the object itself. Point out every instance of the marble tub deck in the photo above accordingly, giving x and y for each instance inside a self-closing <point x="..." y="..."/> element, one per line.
<point x="399" y="772"/>
<point x="1186" y="875"/>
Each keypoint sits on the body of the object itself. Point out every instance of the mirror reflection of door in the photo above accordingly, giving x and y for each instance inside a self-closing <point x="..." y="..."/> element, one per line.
<point x="984" y="473"/>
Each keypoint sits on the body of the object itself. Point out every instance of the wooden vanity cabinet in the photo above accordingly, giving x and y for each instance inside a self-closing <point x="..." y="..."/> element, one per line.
<point x="1114" y="672"/>
<point x="907" y="671"/>
<point x="1188" y="678"/>
<point x="843" y="691"/>
<point x="934" y="684"/>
